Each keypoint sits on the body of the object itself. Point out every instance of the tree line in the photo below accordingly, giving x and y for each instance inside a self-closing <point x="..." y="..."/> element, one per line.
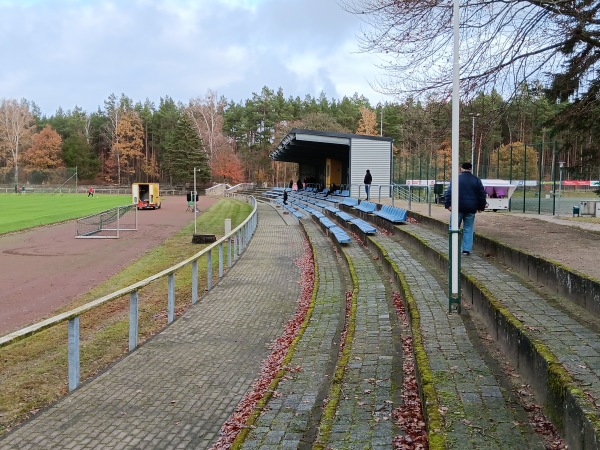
<point x="126" y="141"/>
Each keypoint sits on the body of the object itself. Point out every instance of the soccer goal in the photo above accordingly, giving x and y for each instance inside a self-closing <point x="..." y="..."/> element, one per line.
<point x="107" y="224"/>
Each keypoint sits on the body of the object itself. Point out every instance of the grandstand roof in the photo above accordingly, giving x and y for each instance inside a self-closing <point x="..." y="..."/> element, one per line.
<point x="309" y="146"/>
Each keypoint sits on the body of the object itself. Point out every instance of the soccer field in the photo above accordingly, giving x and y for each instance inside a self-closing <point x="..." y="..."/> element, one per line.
<point x="20" y="211"/>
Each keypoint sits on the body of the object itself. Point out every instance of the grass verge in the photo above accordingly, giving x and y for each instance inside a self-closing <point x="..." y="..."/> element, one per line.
<point x="33" y="372"/>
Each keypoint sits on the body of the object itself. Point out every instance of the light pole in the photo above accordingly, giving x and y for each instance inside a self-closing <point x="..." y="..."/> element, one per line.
<point x="560" y="168"/>
<point x="473" y="115"/>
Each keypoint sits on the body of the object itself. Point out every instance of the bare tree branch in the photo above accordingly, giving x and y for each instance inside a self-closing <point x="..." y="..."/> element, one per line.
<point x="503" y="44"/>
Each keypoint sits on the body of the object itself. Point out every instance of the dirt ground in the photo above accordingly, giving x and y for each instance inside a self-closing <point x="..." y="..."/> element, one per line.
<point x="46" y="268"/>
<point x="576" y="244"/>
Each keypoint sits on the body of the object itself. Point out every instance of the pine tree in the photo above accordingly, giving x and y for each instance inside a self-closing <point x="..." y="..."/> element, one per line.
<point x="184" y="151"/>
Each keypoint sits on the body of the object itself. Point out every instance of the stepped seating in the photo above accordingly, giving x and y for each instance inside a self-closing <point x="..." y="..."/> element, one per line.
<point x="366" y="207"/>
<point x="340" y="235"/>
<point x="364" y="226"/>
<point x="344" y="216"/>
<point x="392" y="213"/>
<point x="327" y="222"/>
<point x="290" y="208"/>
<point x="349" y="202"/>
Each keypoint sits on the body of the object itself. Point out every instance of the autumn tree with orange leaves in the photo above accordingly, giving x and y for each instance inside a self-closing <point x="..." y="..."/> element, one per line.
<point x="226" y="165"/>
<point x="367" y="123"/>
<point x="45" y="151"/>
<point x="127" y="149"/>
<point x="206" y="114"/>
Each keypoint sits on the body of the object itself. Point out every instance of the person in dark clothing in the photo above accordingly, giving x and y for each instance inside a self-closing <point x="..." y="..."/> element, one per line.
<point x="471" y="200"/>
<point x="299" y="183"/>
<point x="285" y="197"/>
<point x="291" y="184"/>
<point x="367" y="181"/>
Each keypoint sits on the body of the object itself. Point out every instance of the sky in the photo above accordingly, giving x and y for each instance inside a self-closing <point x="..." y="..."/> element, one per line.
<point x="68" y="53"/>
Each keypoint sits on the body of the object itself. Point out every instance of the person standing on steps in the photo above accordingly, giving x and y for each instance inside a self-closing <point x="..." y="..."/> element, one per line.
<point x="367" y="181"/>
<point x="471" y="200"/>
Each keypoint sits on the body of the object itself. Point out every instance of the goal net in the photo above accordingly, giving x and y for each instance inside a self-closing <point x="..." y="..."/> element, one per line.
<point x="108" y="224"/>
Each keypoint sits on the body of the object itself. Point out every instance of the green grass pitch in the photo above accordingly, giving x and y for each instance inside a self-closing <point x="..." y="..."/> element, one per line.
<point x="21" y="211"/>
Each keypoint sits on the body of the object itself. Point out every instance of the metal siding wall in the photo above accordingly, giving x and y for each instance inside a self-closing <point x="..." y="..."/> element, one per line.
<point x="373" y="155"/>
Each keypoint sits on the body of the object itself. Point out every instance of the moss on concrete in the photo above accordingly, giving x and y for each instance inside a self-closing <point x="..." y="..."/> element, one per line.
<point x="431" y="405"/>
<point x="338" y="378"/>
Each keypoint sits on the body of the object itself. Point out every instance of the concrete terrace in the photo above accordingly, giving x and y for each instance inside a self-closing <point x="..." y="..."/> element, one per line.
<point x="178" y="389"/>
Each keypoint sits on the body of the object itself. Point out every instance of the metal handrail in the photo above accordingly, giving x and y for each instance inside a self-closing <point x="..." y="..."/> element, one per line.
<point x="241" y="235"/>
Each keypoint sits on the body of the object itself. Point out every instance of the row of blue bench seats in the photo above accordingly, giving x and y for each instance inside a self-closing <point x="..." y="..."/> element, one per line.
<point x="340" y="235"/>
<point x="363" y="225"/>
<point x="319" y="200"/>
<point x="391" y="213"/>
<point x="290" y="208"/>
<point x="326" y="191"/>
<point x="333" y="197"/>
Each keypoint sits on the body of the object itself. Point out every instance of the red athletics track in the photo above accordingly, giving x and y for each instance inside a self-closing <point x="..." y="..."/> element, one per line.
<point x="43" y="269"/>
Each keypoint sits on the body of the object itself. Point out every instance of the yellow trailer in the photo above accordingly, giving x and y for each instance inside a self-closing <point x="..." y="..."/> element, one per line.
<point x="145" y="195"/>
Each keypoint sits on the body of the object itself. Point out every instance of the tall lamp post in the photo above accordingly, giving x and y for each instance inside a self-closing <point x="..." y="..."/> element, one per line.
<point x="473" y="115"/>
<point x="453" y="234"/>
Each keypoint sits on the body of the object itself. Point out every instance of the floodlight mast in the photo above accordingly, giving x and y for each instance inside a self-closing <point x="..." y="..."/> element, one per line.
<point x="454" y="282"/>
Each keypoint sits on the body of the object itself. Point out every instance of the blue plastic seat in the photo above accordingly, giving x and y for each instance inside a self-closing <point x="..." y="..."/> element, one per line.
<point x="365" y="206"/>
<point x="364" y="226"/>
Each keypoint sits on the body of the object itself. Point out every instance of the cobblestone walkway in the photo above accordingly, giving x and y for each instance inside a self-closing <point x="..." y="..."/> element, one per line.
<point x="178" y="389"/>
<point x="292" y="416"/>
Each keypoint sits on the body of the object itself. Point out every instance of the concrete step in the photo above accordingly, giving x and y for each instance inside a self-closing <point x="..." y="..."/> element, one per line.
<point x="555" y="353"/>
<point x="462" y="394"/>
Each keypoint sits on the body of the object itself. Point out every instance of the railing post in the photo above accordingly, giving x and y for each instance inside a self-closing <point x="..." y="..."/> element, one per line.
<point x="235" y="245"/>
<point x="221" y="260"/>
<point x="133" y="320"/>
<point x="194" y="282"/>
<point x="73" y="350"/>
<point x="171" y="299"/>
<point x="209" y="270"/>
<point x="229" y="247"/>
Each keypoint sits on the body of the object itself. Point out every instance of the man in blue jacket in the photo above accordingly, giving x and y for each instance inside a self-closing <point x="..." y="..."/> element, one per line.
<point x="471" y="199"/>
